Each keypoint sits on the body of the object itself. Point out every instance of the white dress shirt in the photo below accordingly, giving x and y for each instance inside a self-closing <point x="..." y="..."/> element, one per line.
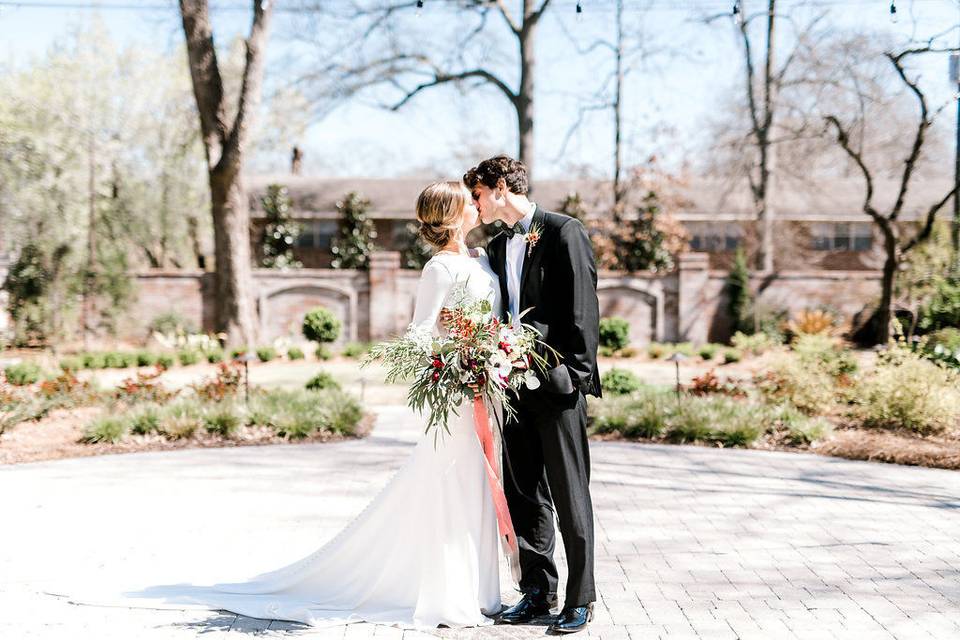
<point x="516" y="251"/>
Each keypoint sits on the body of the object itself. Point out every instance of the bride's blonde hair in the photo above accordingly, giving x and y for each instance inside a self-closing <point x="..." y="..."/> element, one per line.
<point x="440" y="210"/>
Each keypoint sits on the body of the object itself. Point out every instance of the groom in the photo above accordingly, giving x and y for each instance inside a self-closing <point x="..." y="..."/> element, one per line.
<point x="544" y="261"/>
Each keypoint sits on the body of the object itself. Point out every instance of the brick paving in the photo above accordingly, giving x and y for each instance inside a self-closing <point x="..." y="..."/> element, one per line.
<point x="692" y="542"/>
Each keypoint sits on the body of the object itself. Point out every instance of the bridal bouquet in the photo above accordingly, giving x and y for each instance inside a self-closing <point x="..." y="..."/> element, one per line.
<point x="479" y="355"/>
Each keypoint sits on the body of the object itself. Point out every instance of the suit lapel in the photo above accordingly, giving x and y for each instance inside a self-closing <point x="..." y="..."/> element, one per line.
<point x="538" y="217"/>
<point x="498" y="261"/>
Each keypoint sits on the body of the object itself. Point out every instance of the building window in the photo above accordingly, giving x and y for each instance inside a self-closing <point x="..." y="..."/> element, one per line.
<point x="317" y="234"/>
<point x="714" y="237"/>
<point x="842" y="236"/>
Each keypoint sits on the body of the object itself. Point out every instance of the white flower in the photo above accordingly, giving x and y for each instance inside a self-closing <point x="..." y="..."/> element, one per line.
<point x="500" y="360"/>
<point x="531" y="380"/>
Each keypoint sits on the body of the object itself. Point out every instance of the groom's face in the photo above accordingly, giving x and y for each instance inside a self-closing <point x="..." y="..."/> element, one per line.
<point x="488" y="203"/>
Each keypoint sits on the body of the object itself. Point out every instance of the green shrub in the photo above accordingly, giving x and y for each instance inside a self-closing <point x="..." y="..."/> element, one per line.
<point x="172" y="323"/>
<point x="299" y="414"/>
<point x="657" y="350"/>
<point x="182" y="418"/>
<point x="146" y="358"/>
<point x="685" y="348"/>
<point x="620" y="382"/>
<point x="731" y="355"/>
<point x="640" y="415"/>
<point x="947" y="339"/>
<point x="23" y="373"/>
<point x="824" y="353"/>
<point x="237" y="352"/>
<point x="214" y="356"/>
<point x="794" y="427"/>
<point x="188" y="357"/>
<point x="756" y="343"/>
<point x="323" y="352"/>
<point x="71" y="363"/>
<point x="266" y="354"/>
<point x="355" y="349"/>
<point x="145" y="419"/>
<point x="107" y="429"/>
<point x="295" y="353"/>
<point x="222" y="419"/>
<point x="803" y="383"/>
<point x="942" y="310"/>
<point x="606" y="352"/>
<point x="320" y="325"/>
<point x="614" y="333"/>
<point x="165" y="360"/>
<point x="92" y="360"/>
<point x="739" y="294"/>
<point x="708" y="351"/>
<point x="321" y="381"/>
<point x="905" y="391"/>
<point x="111" y="360"/>
<point x="343" y="412"/>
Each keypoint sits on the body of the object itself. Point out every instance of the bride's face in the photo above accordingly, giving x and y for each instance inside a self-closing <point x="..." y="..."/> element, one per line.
<point x="471" y="219"/>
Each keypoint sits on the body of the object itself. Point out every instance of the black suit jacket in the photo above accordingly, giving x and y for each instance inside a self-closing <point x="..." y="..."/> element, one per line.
<point x="559" y="286"/>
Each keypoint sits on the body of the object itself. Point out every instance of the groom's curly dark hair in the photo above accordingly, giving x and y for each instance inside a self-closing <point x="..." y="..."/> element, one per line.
<point x="489" y="172"/>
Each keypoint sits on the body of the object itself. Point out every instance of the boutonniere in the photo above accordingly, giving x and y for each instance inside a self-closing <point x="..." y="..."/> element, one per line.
<point x="532" y="237"/>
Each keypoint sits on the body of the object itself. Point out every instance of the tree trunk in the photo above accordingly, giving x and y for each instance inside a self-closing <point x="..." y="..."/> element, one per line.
<point x="618" y="191"/>
<point x="524" y="98"/>
<point x="885" y="310"/>
<point x="233" y="305"/>
<point x="768" y="153"/>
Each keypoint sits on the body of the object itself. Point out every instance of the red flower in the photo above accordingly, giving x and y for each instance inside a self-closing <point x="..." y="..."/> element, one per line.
<point x="437" y="364"/>
<point x="436" y="376"/>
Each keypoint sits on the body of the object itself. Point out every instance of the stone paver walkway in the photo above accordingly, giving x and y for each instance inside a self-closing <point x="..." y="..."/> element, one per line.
<point x="692" y="542"/>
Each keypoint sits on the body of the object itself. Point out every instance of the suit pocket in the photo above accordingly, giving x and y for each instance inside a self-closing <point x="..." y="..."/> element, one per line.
<point x="557" y="380"/>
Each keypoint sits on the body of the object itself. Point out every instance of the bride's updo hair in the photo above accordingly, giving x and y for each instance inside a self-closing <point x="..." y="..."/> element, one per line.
<point x="440" y="211"/>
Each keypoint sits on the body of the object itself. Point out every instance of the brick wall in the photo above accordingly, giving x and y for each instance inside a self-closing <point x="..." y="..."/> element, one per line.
<point x="687" y="304"/>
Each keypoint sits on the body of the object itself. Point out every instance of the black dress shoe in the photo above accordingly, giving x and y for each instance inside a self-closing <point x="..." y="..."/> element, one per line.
<point x="532" y="605"/>
<point x="572" y="619"/>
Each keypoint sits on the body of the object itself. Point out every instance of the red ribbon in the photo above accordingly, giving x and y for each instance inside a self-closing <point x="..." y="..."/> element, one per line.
<point x="508" y="538"/>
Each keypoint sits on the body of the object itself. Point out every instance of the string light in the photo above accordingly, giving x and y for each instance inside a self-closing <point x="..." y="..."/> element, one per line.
<point x="737" y="12"/>
<point x="419" y="8"/>
<point x="579" y="11"/>
<point x="893" y="11"/>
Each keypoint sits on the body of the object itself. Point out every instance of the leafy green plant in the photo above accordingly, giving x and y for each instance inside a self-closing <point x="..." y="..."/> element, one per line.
<point x="906" y="391"/>
<point x="320" y="325"/>
<point x="146" y="358"/>
<point x="942" y="310"/>
<point x="280" y="230"/>
<point x="754" y="343"/>
<point x="614" y="333"/>
<point x="106" y="429"/>
<point x="266" y="354"/>
<point x="620" y="381"/>
<point x="165" y="360"/>
<point x="295" y="353"/>
<point x="22" y="373"/>
<point x="355" y="349"/>
<point x="801" y="382"/>
<point x="739" y="296"/>
<point x="93" y="360"/>
<point x="657" y="350"/>
<point x="708" y="351"/>
<point x="215" y="356"/>
<point x="355" y="242"/>
<point x="222" y="419"/>
<point x="188" y="357"/>
<point x="323" y="352"/>
<point x="732" y="355"/>
<point x="145" y="419"/>
<point x="323" y="380"/>
<point x="71" y="363"/>
<point x="172" y="323"/>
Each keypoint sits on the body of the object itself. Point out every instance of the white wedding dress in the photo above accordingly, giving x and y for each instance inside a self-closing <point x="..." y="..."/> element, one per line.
<point x="423" y="553"/>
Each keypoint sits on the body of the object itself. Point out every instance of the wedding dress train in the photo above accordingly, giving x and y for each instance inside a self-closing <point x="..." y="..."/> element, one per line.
<point x="423" y="553"/>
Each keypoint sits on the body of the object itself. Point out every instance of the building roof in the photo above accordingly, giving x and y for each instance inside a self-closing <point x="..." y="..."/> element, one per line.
<point x="702" y="199"/>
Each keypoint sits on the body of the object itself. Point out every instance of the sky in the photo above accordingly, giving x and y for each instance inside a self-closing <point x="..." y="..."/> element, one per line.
<point x="669" y="100"/>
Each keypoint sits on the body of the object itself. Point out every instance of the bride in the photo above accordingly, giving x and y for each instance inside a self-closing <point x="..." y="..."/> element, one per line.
<point x="424" y="552"/>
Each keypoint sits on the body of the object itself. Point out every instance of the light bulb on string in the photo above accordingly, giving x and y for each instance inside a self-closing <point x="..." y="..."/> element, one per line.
<point x="579" y="11"/>
<point x="737" y="12"/>
<point x="419" y="8"/>
<point x="894" y="17"/>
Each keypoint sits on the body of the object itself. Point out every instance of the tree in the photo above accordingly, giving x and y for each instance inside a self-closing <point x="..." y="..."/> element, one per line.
<point x="898" y="240"/>
<point x="383" y="50"/>
<point x="225" y="137"/>
<point x="280" y="231"/>
<point x="764" y="81"/>
<point x="353" y="246"/>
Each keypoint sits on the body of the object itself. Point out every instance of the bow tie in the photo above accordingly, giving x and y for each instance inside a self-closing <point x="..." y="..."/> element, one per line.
<point x="514" y="230"/>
